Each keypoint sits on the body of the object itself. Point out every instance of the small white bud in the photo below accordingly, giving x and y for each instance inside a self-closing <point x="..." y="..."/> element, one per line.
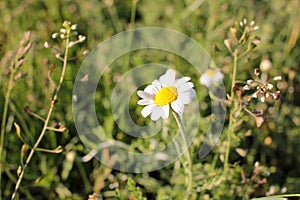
<point x="81" y="38"/>
<point x="46" y="45"/>
<point x="255" y="28"/>
<point x="227" y="43"/>
<point x="252" y="23"/>
<point x="250" y="81"/>
<point x="246" y="87"/>
<point x="254" y="95"/>
<point x="66" y="23"/>
<point x="265" y="65"/>
<point x="277" y="78"/>
<point x="85" y="52"/>
<point x="270" y="86"/>
<point x="74" y="27"/>
<point x="54" y="35"/>
<point x="245" y="21"/>
<point x="62" y="30"/>
<point x="284" y="190"/>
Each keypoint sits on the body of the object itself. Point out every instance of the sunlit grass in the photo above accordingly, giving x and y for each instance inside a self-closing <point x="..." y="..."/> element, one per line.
<point x="274" y="145"/>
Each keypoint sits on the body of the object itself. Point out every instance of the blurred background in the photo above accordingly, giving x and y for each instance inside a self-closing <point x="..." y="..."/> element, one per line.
<point x="275" y="145"/>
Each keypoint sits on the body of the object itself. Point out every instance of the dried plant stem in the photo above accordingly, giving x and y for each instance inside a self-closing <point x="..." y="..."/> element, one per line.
<point x="186" y="158"/>
<point x="53" y="101"/>
<point x="232" y="110"/>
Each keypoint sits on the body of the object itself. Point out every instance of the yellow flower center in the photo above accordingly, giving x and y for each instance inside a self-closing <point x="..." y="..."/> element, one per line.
<point x="210" y="72"/>
<point x="165" y="96"/>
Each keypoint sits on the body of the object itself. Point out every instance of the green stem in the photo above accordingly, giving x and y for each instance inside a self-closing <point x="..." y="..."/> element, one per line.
<point x="133" y="13"/>
<point x="3" y="123"/>
<point x="130" y="37"/>
<point x="229" y="135"/>
<point x="186" y="155"/>
<point x="53" y="101"/>
<point x="235" y="60"/>
<point x="231" y="118"/>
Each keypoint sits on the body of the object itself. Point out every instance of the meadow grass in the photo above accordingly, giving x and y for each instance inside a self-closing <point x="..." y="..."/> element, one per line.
<point x="254" y="162"/>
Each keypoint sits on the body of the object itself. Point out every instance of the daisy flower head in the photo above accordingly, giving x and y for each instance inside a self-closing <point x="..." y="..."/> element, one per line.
<point x="165" y="92"/>
<point x="211" y="77"/>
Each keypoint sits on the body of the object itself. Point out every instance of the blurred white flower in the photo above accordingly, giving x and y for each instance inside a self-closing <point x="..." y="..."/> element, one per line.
<point x="54" y="35"/>
<point x="277" y="78"/>
<point x="74" y="27"/>
<point x="211" y="77"/>
<point x="265" y="65"/>
<point x="164" y="92"/>
<point x="81" y="38"/>
<point x="46" y="45"/>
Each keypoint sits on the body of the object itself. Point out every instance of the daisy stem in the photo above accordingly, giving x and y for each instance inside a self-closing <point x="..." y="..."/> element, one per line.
<point x="231" y="118"/>
<point x="186" y="157"/>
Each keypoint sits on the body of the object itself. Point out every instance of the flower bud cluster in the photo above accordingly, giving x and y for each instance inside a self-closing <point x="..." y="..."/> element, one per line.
<point x="242" y="33"/>
<point x="68" y="31"/>
<point x="262" y="90"/>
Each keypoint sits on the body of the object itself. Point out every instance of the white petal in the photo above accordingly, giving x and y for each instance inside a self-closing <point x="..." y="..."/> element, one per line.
<point x="204" y="80"/>
<point x="168" y="78"/>
<point x="151" y="89"/>
<point x="156" y="83"/>
<point x="181" y="81"/>
<point x="185" y="87"/>
<point x="145" y="102"/>
<point x="144" y="95"/>
<point x="217" y="78"/>
<point x="156" y="113"/>
<point x="187" y="97"/>
<point x="165" y="111"/>
<point x="147" y="110"/>
<point x="177" y="106"/>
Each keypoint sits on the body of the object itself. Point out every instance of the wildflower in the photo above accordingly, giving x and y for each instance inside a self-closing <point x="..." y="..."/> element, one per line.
<point x="246" y="87"/>
<point x="251" y="27"/>
<point x="46" y="45"/>
<point x="74" y="27"/>
<point x="63" y="31"/>
<point x="210" y="77"/>
<point x="66" y="24"/>
<point x="277" y="78"/>
<point x="250" y="81"/>
<point x="164" y="92"/>
<point x="54" y="35"/>
<point x="264" y="90"/>
<point x="81" y="38"/>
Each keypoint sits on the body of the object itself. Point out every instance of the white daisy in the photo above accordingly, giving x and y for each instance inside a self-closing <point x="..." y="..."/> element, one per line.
<point x="211" y="77"/>
<point x="164" y="92"/>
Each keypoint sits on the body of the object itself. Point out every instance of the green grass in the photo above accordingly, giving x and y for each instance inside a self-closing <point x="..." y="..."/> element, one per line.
<point x="65" y="176"/>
